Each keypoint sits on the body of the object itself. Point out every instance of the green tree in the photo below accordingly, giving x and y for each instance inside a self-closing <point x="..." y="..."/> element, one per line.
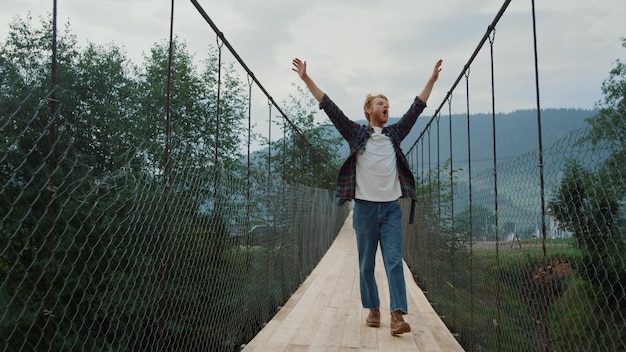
<point x="112" y="243"/>
<point x="305" y="154"/>
<point x="194" y="115"/>
<point x="608" y="127"/>
<point x="202" y="192"/>
<point x="48" y="236"/>
<point x="483" y="220"/>
<point x="582" y="205"/>
<point x="308" y="153"/>
<point x="585" y="205"/>
<point x="587" y="202"/>
<point x="233" y="109"/>
<point x="102" y="108"/>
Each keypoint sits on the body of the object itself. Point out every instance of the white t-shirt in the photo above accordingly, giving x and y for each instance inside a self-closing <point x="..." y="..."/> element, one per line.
<point x="376" y="170"/>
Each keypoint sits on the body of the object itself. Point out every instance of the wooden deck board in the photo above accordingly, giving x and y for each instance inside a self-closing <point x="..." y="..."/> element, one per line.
<point x="325" y="313"/>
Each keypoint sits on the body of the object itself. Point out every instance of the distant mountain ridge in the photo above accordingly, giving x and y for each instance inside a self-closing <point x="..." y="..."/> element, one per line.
<point x="516" y="133"/>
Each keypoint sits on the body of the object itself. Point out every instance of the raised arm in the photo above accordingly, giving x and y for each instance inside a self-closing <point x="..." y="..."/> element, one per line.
<point x="425" y="94"/>
<point x="299" y="67"/>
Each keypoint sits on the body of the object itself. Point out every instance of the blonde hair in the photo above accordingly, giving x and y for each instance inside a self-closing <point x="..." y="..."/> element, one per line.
<point x="368" y="102"/>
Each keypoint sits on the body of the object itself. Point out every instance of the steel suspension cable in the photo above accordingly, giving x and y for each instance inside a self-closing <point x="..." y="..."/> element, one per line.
<point x="539" y="137"/>
<point x="268" y="200"/>
<point x="51" y="207"/>
<point x="284" y="156"/>
<point x="495" y="182"/>
<point x="439" y="169"/>
<point x="493" y="135"/>
<point x="422" y="169"/>
<point x="470" y="206"/>
<point x="452" y="217"/>
<point x="249" y="166"/>
<point x="217" y="104"/>
<point x="163" y="234"/>
<point x="430" y="201"/>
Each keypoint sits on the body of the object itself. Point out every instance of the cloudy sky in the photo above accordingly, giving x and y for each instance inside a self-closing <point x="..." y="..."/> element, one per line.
<point x="356" y="47"/>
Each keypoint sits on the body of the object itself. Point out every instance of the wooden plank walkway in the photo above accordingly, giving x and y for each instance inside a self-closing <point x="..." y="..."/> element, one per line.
<point x="325" y="313"/>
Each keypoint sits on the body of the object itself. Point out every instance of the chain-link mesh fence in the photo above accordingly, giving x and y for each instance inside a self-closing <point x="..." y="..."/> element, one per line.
<point x="508" y="273"/>
<point x="129" y="258"/>
<point x="128" y="220"/>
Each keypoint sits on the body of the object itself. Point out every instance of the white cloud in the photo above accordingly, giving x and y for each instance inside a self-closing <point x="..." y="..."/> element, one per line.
<point x="359" y="47"/>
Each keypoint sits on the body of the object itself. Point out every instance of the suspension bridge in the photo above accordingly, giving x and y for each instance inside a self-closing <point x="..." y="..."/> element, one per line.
<point x="161" y="234"/>
<point x="325" y="313"/>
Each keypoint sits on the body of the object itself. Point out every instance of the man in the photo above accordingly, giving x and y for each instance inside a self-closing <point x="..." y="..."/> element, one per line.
<point x="375" y="175"/>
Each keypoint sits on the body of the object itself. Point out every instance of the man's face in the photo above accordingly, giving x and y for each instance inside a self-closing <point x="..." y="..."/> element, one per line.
<point x="378" y="112"/>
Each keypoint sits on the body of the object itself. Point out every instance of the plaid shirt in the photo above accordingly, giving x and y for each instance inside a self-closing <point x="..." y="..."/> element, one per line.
<point x="357" y="136"/>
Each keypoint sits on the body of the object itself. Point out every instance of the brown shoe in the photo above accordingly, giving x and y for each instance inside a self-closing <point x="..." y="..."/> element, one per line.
<point x="398" y="325"/>
<point x="373" y="319"/>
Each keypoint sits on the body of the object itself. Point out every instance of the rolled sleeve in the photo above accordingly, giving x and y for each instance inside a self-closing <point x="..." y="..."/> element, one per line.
<point x="325" y="101"/>
<point x="419" y="103"/>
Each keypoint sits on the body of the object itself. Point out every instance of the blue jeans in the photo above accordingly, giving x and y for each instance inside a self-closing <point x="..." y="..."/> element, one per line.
<point x="376" y="223"/>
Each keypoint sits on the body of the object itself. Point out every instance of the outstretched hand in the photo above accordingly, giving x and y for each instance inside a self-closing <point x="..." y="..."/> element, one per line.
<point x="299" y="67"/>
<point x="436" y="70"/>
<point x="425" y="94"/>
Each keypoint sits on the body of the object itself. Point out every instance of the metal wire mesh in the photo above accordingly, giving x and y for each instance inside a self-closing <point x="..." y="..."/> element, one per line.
<point x="121" y="232"/>
<point x="501" y="283"/>
<point x="123" y="260"/>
